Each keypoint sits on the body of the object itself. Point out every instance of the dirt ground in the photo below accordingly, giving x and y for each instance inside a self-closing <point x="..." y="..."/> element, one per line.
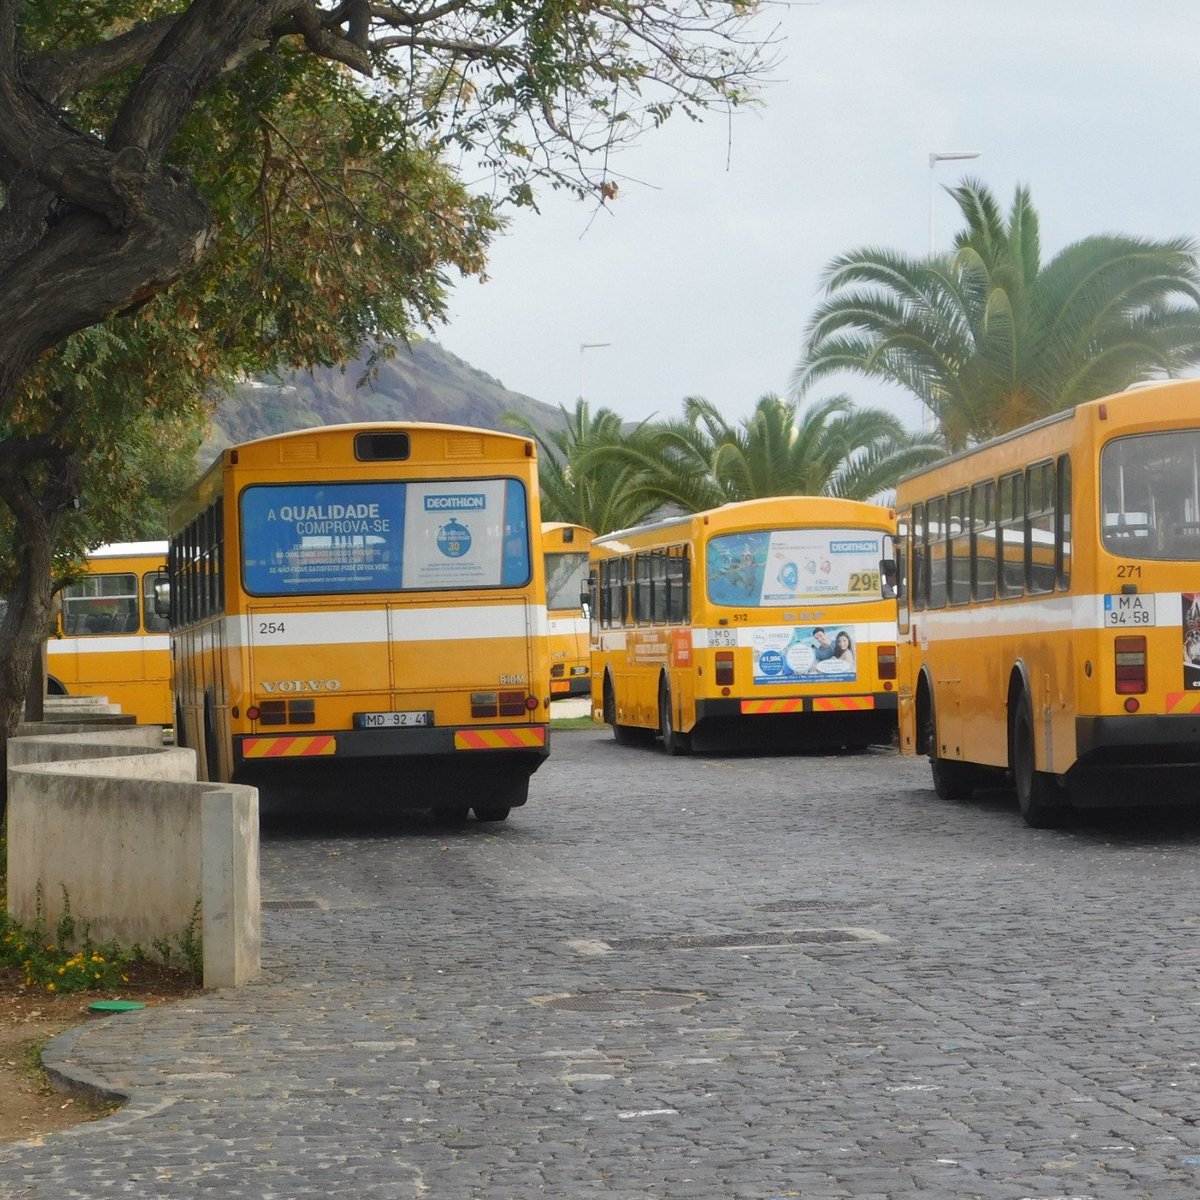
<point x="29" y="1104"/>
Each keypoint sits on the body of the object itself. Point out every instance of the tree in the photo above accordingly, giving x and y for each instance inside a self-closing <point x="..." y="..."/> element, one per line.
<point x="599" y="497"/>
<point x="830" y="449"/>
<point x="990" y="338"/>
<point x="227" y="150"/>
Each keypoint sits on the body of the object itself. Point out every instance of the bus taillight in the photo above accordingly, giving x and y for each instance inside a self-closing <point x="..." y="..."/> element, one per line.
<point x="724" y="668"/>
<point x="885" y="658"/>
<point x="1130" y="665"/>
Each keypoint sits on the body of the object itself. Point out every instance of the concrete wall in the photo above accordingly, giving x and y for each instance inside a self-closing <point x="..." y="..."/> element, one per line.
<point x="121" y="823"/>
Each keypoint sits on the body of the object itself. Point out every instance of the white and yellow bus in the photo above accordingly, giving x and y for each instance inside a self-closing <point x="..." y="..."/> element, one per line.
<point x="110" y="641"/>
<point x="765" y="622"/>
<point x="366" y="596"/>
<point x="565" y="549"/>
<point x="1050" y="608"/>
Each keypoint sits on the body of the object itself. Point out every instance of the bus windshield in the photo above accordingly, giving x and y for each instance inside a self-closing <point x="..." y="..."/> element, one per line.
<point x="766" y="568"/>
<point x="1150" y="495"/>
<point x="428" y="535"/>
<point x="566" y="576"/>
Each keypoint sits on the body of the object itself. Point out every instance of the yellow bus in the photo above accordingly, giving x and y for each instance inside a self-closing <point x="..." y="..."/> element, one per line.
<point x="1050" y="608"/>
<point x="110" y="641"/>
<point x="565" y="549"/>
<point x="366" y="596"/>
<point x="765" y="622"/>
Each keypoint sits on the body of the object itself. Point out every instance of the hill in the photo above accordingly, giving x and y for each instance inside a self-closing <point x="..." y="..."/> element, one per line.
<point x="420" y="382"/>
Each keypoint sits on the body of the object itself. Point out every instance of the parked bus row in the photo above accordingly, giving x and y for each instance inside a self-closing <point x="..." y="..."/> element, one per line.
<point x="387" y="595"/>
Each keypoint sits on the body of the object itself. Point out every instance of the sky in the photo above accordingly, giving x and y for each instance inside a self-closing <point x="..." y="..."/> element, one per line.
<point x="702" y="275"/>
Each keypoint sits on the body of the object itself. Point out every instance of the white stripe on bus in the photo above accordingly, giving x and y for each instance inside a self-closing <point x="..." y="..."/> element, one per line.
<point x="355" y="626"/>
<point x="1053" y="614"/>
<point x="114" y="644"/>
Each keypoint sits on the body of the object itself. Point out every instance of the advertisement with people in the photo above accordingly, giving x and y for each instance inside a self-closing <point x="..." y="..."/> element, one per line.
<point x="363" y="537"/>
<point x="1191" y="640"/>
<point x="768" y="568"/>
<point x="807" y="654"/>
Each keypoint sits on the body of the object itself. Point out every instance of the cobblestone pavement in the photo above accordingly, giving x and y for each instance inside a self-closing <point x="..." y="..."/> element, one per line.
<point x="701" y="978"/>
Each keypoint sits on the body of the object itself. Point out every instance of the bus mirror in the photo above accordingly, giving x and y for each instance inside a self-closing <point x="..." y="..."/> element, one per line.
<point x="585" y="597"/>
<point x="162" y="599"/>
<point x="887" y="574"/>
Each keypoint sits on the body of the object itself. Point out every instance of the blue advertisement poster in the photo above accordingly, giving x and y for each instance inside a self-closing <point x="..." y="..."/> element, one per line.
<point x="804" y="654"/>
<point x="777" y="567"/>
<point x="391" y="536"/>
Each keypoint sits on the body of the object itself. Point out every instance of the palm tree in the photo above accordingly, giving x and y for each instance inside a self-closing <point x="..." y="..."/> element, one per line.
<point x="989" y="338"/>
<point x="598" y="497"/>
<point x="832" y="449"/>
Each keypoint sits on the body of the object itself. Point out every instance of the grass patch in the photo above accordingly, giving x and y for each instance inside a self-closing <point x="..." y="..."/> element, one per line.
<point x="573" y="723"/>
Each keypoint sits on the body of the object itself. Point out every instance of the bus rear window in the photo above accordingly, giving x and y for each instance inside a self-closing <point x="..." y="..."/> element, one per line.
<point x="766" y="568"/>
<point x="566" y="577"/>
<point x="1150" y="496"/>
<point x="345" y="538"/>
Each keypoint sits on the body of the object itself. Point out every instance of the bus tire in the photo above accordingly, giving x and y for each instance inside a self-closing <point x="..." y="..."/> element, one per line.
<point x="491" y="812"/>
<point x="211" y="762"/>
<point x="1042" y="802"/>
<point x="952" y="779"/>
<point x="674" y="742"/>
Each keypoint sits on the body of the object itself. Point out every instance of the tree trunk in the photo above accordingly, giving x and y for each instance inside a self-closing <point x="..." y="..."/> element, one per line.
<point x="35" y="692"/>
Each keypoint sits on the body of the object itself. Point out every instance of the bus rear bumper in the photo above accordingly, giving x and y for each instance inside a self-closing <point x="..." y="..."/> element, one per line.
<point x="1136" y="760"/>
<point x="528" y="742"/>
<point x="785" y="723"/>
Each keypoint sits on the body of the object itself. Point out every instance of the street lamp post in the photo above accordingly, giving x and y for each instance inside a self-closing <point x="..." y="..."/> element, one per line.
<point x="936" y="157"/>
<point x="587" y="346"/>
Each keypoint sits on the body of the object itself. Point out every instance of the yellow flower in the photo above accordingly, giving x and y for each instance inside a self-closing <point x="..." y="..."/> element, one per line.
<point x="50" y="987"/>
<point x="62" y="970"/>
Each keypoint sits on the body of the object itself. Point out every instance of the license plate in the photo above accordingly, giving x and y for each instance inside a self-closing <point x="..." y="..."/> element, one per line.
<point x="1128" y="611"/>
<point x="392" y="720"/>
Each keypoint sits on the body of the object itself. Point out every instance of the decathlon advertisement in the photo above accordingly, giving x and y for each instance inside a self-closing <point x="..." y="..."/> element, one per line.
<point x="366" y="537"/>
<point x="769" y="568"/>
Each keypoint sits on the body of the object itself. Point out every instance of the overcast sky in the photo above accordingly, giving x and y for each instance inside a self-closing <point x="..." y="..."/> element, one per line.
<point x="705" y="271"/>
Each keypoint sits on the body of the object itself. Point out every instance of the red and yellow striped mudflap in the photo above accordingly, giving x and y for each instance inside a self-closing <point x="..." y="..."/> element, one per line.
<point x="843" y="703"/>
<point x="289" y="747"/>
<point x="500" y="739"/>
<point x="1183" y="702"/>
<point x="758" y="707"/>
<point x="819" y="704"/>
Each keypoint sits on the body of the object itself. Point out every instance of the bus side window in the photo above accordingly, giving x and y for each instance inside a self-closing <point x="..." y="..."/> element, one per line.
<point x="958" y="563"/>
<point x="1012" y="534"/>
<point x="658" y="586"/>
<point x="154" y="620"/>
<point x="983" y="540"/>
<point x="902" y="544"/>
<point x="677" y="605"/>
<point x="919" y="558"/>
<point x="1039" y="529"/>
<point x="935" y="530"/>
<point x="1062" y="529"/>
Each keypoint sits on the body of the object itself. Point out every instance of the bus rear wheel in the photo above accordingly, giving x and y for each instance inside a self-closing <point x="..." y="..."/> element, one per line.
<point x="1041" y="800"/>
<point x="491" y="812"/>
